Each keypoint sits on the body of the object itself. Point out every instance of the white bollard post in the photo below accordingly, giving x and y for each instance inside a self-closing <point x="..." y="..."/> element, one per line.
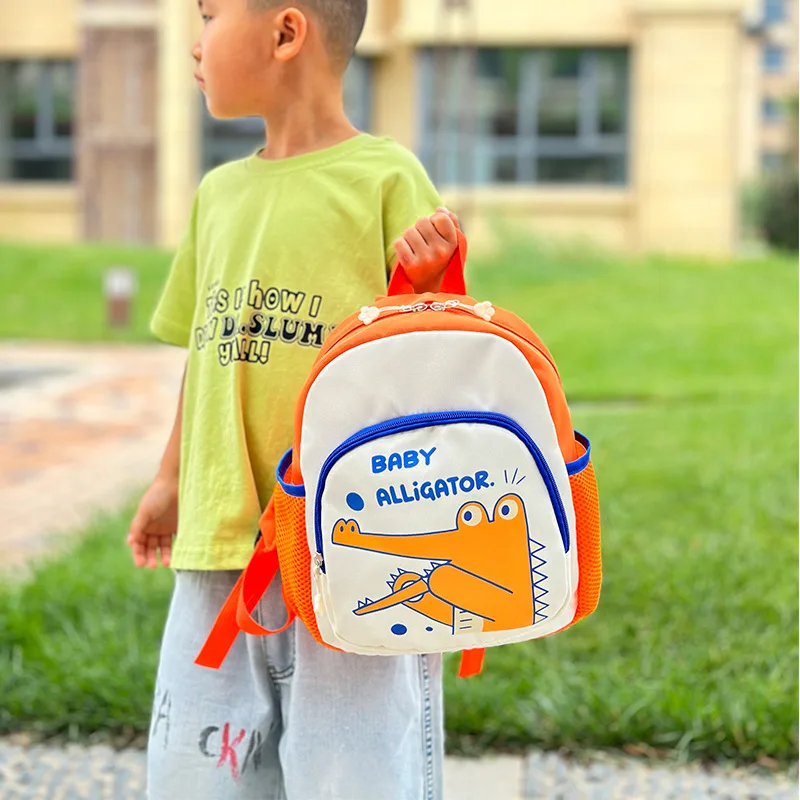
<point x="119" y="287"/>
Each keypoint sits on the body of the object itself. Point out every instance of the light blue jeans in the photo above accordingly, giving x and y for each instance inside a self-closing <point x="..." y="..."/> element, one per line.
<point x="285" y="718"/>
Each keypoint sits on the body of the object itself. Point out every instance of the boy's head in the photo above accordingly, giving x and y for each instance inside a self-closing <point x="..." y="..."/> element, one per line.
<point x="254" y="56"/>
<point x="340" y="21"/>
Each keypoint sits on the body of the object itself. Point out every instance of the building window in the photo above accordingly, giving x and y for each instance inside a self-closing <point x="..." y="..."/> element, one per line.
<point x="525" y="116"/>
<point x="774" y="11"/>
<point x="228" y="140"/>
<point x="36" y="120"/>
<point x="358" y="93"/>
<point x="771" y="110"/>
<point x="774" y="59"/>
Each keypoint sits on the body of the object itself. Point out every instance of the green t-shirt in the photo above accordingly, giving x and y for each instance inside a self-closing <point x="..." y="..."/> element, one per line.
<point x="276" y="254"/>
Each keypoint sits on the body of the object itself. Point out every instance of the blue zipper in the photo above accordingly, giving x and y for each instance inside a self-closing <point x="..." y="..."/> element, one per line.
<point x="417" y="421"/>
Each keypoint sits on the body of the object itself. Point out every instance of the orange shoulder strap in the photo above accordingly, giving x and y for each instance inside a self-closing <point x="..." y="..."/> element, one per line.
<point x="471" y="663"/>
<point x="236" y="613"/>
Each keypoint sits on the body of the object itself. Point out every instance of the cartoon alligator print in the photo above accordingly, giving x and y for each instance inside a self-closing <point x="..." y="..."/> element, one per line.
<point x="484" y="575"/>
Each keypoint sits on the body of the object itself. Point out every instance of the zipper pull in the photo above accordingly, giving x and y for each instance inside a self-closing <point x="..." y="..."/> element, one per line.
<point x="369" y="314"/>
<point x="318" y="602"/>
<point x="483" y="310"/>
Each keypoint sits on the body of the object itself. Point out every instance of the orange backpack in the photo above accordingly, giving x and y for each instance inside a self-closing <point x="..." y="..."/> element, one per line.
<point x="436" y="497"/>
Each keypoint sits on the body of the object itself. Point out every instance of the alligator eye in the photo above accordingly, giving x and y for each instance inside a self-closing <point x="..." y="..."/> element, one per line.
<point x="472" y="514"/>
<point x="507" y="508"/>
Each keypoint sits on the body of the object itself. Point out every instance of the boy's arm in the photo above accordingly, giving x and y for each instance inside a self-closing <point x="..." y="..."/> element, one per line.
<point x="418" y="232"/>
<point x="156" y="520"/>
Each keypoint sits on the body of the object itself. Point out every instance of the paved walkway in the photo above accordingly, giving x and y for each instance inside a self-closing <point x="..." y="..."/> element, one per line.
<point x="99" y="773"/>
<point x="81" y="428"/>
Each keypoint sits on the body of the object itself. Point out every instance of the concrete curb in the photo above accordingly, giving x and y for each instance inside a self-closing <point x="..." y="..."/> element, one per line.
<point x="40" y="772"/>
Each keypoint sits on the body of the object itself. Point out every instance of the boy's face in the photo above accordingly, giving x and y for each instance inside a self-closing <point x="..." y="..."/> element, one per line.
<point x="236" y="68"/>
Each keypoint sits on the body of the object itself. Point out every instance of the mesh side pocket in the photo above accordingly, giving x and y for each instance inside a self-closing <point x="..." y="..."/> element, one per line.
<point x="587" y="518"/>
<point x="295" y="557"/>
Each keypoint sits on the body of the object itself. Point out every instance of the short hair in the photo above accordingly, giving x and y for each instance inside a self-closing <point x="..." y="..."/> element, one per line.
<point x="342" y="22"/>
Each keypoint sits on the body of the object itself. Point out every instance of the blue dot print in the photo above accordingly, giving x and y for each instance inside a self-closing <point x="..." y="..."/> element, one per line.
<point x="505" y="510"/>
<point x="355" y="501"/>
<point x="429" y="628"/>
<point x="399" y="630"/>
<point x="467" y="515"/>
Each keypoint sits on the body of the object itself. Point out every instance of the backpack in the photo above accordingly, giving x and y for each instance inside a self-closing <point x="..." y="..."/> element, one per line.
<point x="436" y="498"/>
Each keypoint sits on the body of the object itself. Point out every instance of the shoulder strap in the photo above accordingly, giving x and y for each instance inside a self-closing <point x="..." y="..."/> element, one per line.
<point x="471" y="663"/>
<point x="256" y="579"/>
<point x="223" y="633"/>
<point x="236" y="613"/>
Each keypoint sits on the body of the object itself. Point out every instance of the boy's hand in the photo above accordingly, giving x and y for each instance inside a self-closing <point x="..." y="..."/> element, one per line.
<point x="155" y="524"/>
<point x="426" y="249"/>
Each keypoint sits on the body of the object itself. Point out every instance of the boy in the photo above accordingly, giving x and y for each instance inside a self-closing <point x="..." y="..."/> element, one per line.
<point x="280" y="247"/>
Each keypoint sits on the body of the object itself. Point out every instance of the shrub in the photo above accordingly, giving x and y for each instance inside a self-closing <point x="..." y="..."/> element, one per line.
<point x="780" y="212"/>
<point x="751" y="207"/>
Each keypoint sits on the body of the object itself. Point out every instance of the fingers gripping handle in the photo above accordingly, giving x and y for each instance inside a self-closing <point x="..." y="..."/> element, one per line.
<point x="452" y="283"/>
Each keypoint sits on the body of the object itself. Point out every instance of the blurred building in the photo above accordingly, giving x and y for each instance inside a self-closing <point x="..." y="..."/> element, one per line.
<point x="769" y="123"/>
<point x="631" y="122"/>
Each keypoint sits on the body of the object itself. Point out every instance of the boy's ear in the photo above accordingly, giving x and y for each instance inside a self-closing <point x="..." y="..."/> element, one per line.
<point x="291" y="30"/>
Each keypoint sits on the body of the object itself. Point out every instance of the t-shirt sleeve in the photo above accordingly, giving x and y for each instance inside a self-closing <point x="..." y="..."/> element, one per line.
<point x="172" y="319"/>
<point x="409" y="195"/>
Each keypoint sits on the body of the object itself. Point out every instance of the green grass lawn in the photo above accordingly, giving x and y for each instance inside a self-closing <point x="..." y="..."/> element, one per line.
<point x="57" y="293"/>
<point x="684" y="375"/>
